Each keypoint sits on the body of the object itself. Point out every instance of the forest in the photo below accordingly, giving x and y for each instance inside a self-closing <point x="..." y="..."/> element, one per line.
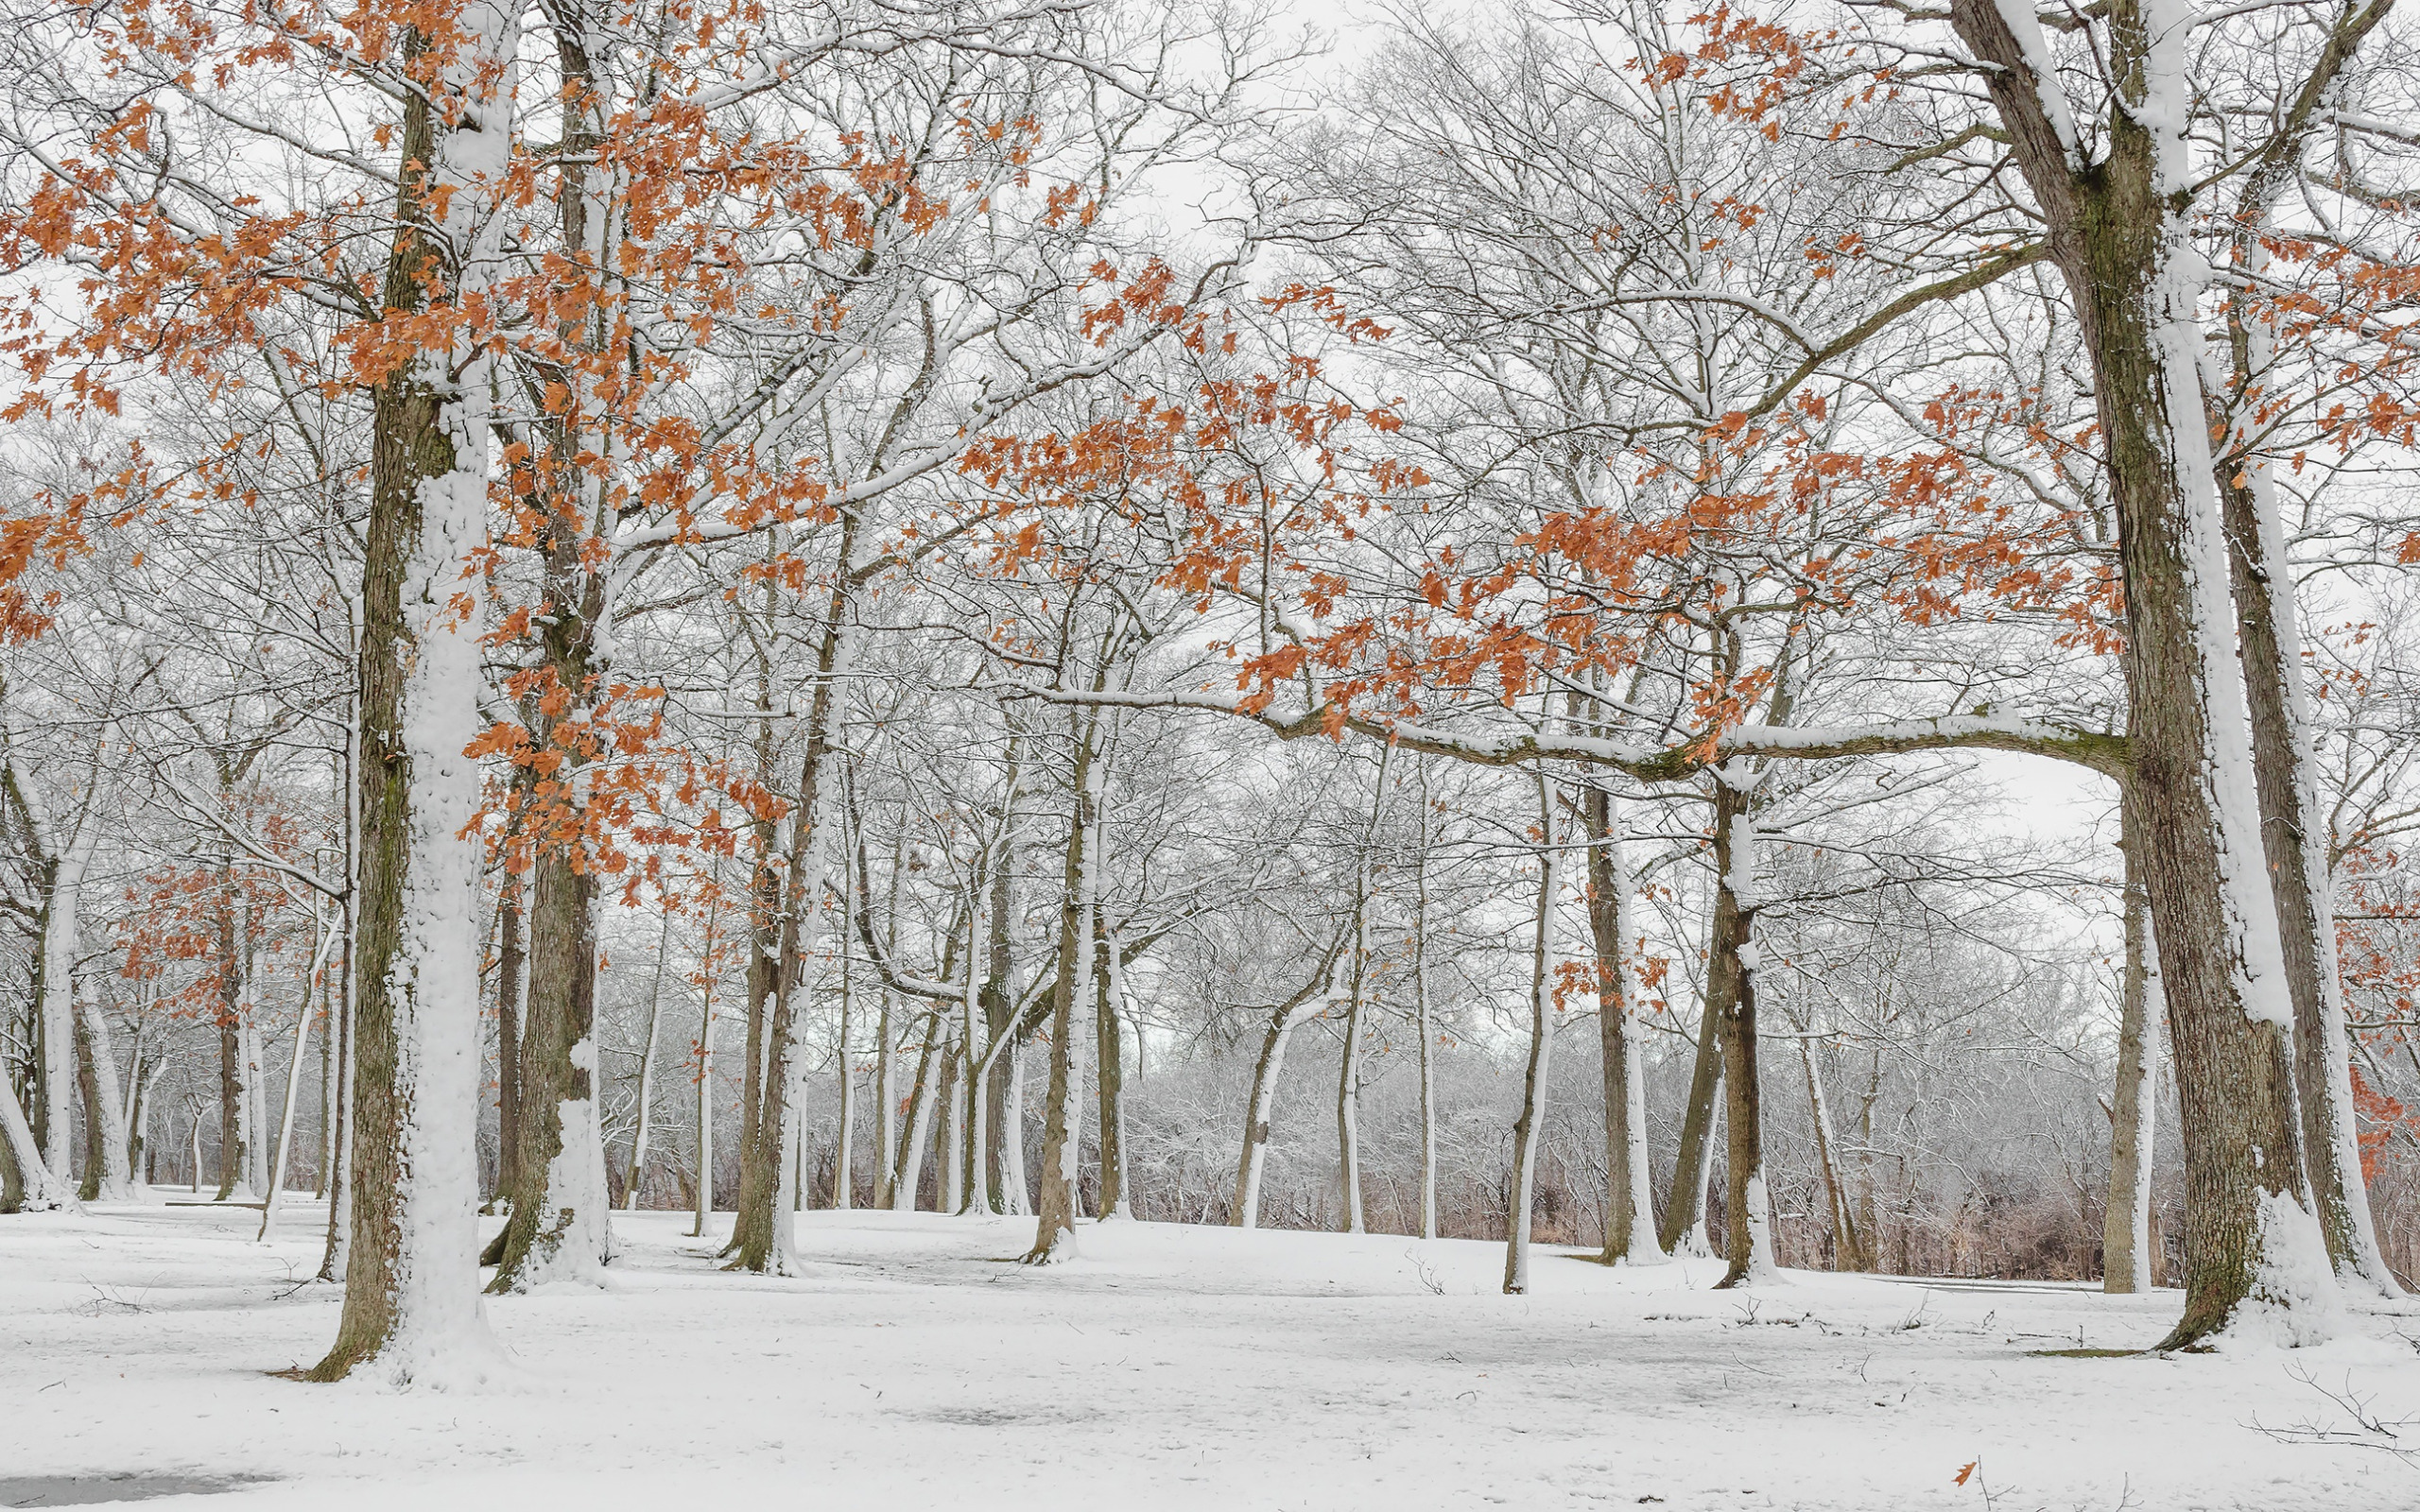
<point x="1734" y="643"/>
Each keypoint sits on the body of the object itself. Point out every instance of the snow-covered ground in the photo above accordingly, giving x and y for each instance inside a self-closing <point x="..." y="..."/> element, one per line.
<point x="1170" y="1368"/>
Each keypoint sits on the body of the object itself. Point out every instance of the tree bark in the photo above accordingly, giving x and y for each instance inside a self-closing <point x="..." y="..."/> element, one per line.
<point x="2126" y="1222"/>
<point x="1109" y="1050"/>
<point x="1731" y="988"/>
<point x="2120" y="231"/>
<point x="705" y="1186"/>
<point x="1630" y="1199"/>
<point x="844" y="1154"/>
<point x="233" y="1158"/>
<point x="1543" y="966"/>
<point x="510" y="960"/>
<point x="1849" y="1251"/>
<point x="410" y="1288"/>
<point x="2295" y="840"/>
<point x="1055" y="1208"/>
<point x="1685" y="1206"/>
<point x="1421" y="1020"/>
<point x="36" y="1189"/>
<point x="762" y="1228"/>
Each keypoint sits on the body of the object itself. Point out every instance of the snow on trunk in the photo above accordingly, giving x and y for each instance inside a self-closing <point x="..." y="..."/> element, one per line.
<point x="2287" y="1234"/>
<point x="2322" y="1056"/>
<point x="792" y="1060"/>
<point x="1631" y="1233"/>
<point x="1545" y="964"/>
<point x="57" y="1006"/>
<point x="645" y="1125"/>
<point x="116" y="1178"/>
<point x="43" y="1191"/>
<point x="1749" y="1213"/>
<point x="412" y="1310"/>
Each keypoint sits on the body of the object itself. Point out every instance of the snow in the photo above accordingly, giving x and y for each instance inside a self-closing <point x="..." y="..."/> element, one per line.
<point x="910" y="1365"/>
<point x="2296" y="1299"/>
<point x="437" y="1336"/>
<point x="2044" y="67"/>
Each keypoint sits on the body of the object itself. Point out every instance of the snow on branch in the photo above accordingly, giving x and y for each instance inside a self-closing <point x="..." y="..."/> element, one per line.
<point x="2098" y="750"/>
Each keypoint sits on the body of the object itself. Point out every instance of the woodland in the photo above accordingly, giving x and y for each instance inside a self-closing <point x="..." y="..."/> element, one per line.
<point x="1729" y="643"/>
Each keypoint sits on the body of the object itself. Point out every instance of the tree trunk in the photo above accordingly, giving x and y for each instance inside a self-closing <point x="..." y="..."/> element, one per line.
<point x="705" y="1188"/>
<point x="1062" y="1127"/>
<point x="410" y="1288"/>
<point x="1264" y="1098"/>
<point x="1110" y="1049"/>
<point x="37" y="1189"/>
<point x="257" y="1176"/>
<point x="1685" y="1206"/>
<point x="949" y="1177"/>
<point x="908" y="1168"/>
<point x="1848" y="1241"/>
<point x="2126" y="1222"/>
<point x="2294" y="839"/>
<point x="973" y="1110"/>
<point x="761" y="1229"/>
<point x="232" y="1158"/>
<point x="844" y="1157"/>
<point x="1526" y="1129"/>
<point x="557" y="1230"/>
<point x="1629" y="1197"/>
<point x="2120" y="234"/>
<point x="1003" y="1138"/>
<point x="1421" y="1022"/>
<point x="886" y="1098"/>
<point x="1019" y="1197"/>
<point x="509" y="961"/>
<point x="334" y="1257"/>
<point x="1731" y="986"/>
<point x="88" y="1092"/>
<point x="54" y="989"/>
<point x="646" y="1125"/>
<point x="1348" y="1076"/>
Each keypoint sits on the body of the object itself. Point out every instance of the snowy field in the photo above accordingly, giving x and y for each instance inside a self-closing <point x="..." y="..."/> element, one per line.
<point x="1170" y="1367"/>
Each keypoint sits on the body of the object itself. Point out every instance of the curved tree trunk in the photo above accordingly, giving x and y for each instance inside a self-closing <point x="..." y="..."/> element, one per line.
<point x="558" y="1230"/>
<point x="762" y="1228"/>
<point x="1693" y="1160"/>
<point x="37" y="1189"/>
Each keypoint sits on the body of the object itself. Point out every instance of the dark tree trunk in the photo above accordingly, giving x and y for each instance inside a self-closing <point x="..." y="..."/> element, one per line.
<point x="2117" y="235"/>
<point x="2288" y="831"/>
<point x="1731" y="996"/>
<point x="759" y="1229"/>
<point x="1110" y="1046"/>
<point x="509" y="959"/>
<point x="1057" y="1200"/>
<point x="1686" y="1200"/>
<point x="1607" y="879"/>
<point x="412" y="445"/>
<point x="96" y="1128"/>
<point x="2125" y="1237"/>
